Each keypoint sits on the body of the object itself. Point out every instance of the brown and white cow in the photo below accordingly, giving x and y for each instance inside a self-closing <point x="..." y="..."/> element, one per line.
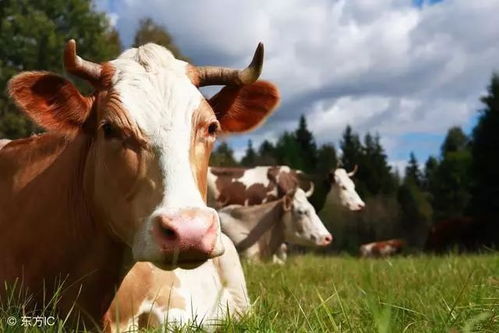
<point x="206" y="295"/>
<point x="259" y="231"/>
<point x="382" y="249"/>
<point x="253" y="186"/>
<point x="3" y="143"/>
<point x="121" y="174"/>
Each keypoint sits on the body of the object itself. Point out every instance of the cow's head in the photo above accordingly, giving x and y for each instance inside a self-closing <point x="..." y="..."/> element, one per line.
<point x="302" y="226"/>
<point x="150" y="134"/>
<point x="343" y="189"/>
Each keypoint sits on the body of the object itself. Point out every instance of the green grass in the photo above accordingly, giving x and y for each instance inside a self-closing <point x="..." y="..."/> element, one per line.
<point x="346" y="294"/>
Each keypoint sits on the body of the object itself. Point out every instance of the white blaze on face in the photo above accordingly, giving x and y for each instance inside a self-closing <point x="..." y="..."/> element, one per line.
<point x="159" y="97"/>
<point x="302" y="225"/>
<point x="343" y="191"/>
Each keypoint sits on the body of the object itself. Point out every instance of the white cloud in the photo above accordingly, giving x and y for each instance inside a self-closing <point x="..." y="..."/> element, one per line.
<point x="381" y="66"/>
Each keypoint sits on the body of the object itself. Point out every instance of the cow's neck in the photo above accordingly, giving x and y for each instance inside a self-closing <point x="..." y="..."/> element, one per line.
<point x="333" y="196"/>
<point x="263" y="226"/>
<point x="50" y="225"/>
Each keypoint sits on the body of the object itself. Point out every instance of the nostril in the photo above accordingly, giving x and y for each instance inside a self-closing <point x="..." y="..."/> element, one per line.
<point x="328" y="239"/>
<point x="167" y="232"/>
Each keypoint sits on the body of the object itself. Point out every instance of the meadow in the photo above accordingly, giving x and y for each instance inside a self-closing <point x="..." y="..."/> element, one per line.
<point x="311" y="293"/>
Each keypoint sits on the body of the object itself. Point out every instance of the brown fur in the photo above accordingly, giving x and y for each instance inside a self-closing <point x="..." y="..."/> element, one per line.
<point x="233" y="192"/>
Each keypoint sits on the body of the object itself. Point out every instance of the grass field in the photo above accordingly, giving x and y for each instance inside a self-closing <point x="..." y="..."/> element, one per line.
<point x="346" y="294"/>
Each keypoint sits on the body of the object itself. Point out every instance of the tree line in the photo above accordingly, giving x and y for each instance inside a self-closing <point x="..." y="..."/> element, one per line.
<point x="463" y="180"/>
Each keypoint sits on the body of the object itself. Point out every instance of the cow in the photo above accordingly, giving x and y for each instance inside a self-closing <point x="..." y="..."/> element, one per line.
<point x="464" y="233"/>
<point x="260" y="231"/>
<point x="3" y="143"/>
<point x="382" y="249"/>
<point x="261" y="184"/>
<point x="206" y="295"/>
<point x="120" y="175"/>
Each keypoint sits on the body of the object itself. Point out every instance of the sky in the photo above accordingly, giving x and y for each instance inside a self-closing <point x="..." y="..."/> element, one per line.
<point x="406" y="69"/>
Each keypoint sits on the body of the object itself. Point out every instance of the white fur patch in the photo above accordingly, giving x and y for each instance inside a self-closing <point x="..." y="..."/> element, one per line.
<point x="256" y="175"/>
<point x="160" y="99"/>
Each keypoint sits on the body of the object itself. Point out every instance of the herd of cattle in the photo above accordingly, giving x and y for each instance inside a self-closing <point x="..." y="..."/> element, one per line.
<point x="118" y="192"/>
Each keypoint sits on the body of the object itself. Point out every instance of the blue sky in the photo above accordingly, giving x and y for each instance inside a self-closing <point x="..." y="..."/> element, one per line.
<point x="407" y="70"/>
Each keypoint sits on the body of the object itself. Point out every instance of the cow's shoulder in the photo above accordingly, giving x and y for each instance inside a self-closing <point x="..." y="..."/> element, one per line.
<point x="233" y="173"/>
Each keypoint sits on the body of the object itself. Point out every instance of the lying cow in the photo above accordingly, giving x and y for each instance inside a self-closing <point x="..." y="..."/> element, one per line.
<point x="151" y="297"/>
<point x="260" y="231"/>
<point x="120" y="174"/>
<point x="382" y="249"/>
<point x="3" y="143"/>
<point x="254" y="186"/>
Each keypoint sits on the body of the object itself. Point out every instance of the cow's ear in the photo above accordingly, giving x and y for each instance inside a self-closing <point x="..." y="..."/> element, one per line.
<point x="242" y="108"/>
<point x="50" y="100"/>
<point x="288" y="200"/>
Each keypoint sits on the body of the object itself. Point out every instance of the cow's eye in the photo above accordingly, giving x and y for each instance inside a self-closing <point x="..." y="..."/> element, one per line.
<point x="109" y="130"/>
<point x="213" y="128"/>
<point x="343" y="187"/>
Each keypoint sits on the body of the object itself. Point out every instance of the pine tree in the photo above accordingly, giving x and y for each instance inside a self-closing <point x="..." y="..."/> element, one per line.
<point x="326" y="159"/>
<point x="485" y="154"/>
<point x="306" y="143"/>
<point x="412" y="171"/>
<point x="266" y="154"/>
<point x="151" y="32"/>
<point x="223" y="156"/>
<point x="455" y="141"/>
<point x="351" y="147"/>
<point x="448" y="181"/>
<point x="250" y="158"/>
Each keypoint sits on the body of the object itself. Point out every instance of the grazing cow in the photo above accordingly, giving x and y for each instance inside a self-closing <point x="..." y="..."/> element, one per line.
<point x="121" y="174"/>
<point x="205" y="295"/>
<point x="382" y="249"/>
<point x="463" y="234"/>
<point x="259" y="231"/>
<point x="253" y="186"/>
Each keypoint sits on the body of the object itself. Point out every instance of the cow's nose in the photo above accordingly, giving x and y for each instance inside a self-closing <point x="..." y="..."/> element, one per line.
<point x="188" y="235"/>
<point x="327" y="240"/>
<point x="361" y="206"/>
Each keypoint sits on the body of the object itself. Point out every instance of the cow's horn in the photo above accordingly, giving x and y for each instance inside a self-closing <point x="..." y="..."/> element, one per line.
<point x="352" y="173"/>
<point x="79" y="67"/>
<point x="213" y="75"/>
<point x="309" y="193"/>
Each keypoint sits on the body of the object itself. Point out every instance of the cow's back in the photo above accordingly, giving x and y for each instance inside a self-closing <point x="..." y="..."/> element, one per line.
<point x="252" y="186"/>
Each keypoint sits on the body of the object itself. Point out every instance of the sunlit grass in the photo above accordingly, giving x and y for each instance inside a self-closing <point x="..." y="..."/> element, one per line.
<point x="346" y="294"/>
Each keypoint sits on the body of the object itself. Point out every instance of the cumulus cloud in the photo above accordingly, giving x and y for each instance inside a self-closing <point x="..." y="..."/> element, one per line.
<point x="382" y="66"/>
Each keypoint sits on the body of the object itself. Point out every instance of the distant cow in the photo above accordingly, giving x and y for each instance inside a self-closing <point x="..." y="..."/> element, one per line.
<point x="150" y="297"/>
<point x="382" y="249"/>
<point x="259" y="231"/>
<point x="3" y="142"/>
<point x="253" y="186"/>
<point x="463" y="234"/>
<point x="120" y="174"/>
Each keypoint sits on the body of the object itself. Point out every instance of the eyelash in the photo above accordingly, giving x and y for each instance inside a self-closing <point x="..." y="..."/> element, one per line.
<point x="109" y="130"/>
<point x="213" y="128"/>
